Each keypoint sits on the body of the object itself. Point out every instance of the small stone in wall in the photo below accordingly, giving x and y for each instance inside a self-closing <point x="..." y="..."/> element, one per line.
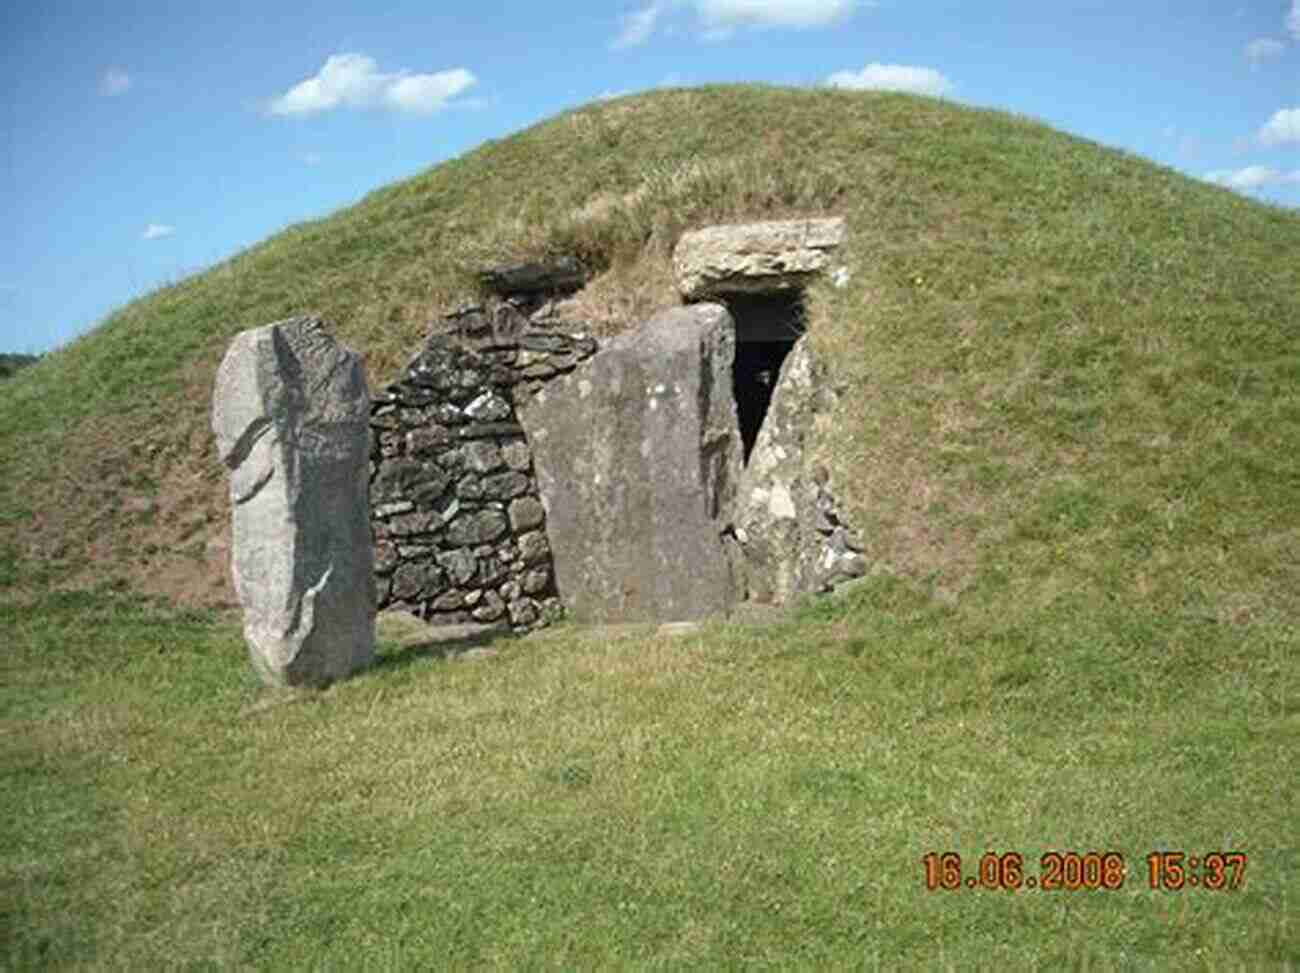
<point x="484" y="430"/>
<point x="482" y="456"/>
<point x="469" y="487"/>
<point x="412" y="581"/>
<point x="449" y="415"/>
<point x="477" y="528"/>
<point x="488" y="407"/>
<point x="523" y="611"/>
<point x="526" y="513"/>
<point x="448" y="600"/>
<point x="459" y="565"/>
<point x="427" y="439"/>
<point x="491" y="570"/>
<point x="385" y="557"/>
<point x="434" y="487"/>
<point x="517" y="456"/>
<point x="533" y="547"/>
<point x="536" y="580"/>
<point x="491" y="609"/>
<point x="417" y="522"/>
<point x="504" y="486"/>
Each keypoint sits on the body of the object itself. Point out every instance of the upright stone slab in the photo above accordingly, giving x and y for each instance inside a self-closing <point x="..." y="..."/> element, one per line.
<point x="637" y="455"/>
<point x="792" y="538"/>
<point x="291" y="415"/>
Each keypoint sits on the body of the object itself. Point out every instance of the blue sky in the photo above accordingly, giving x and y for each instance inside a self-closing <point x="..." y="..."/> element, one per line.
<point x="141" y="144"/>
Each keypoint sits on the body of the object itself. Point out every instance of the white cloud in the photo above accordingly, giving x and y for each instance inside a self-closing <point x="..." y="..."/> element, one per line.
<point x="892" y="77"/>
<point x="156" y="231"/>
<point x="719" y="19"/>
<point x="638" y="26"/>
<point x="1263" y="49"/>
<point x="723" y="15"/>
<point x="1251" y="177"/>
<point x="353" y="81"/>
<point x="115" y="81"/>
<point x="426" y="93"/>
<point x="1293" y="19"/>
<point x="1284" y="126"/>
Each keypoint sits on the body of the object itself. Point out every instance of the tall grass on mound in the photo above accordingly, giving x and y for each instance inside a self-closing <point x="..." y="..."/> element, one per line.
<point x="740" y="796"/>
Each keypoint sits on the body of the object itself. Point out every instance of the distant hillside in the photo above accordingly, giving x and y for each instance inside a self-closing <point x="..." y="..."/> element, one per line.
<point x="11" y="363"/>
<point x="1070" y="373"/>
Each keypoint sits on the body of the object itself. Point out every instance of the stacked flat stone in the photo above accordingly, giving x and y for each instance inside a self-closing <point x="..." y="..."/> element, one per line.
<point x="458" y="522"/>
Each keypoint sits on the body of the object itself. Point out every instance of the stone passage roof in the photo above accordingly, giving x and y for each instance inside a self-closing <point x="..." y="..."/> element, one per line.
<point x="753" y="257"/>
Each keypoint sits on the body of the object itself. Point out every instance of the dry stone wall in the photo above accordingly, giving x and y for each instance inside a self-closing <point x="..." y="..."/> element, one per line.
<point x="458" y="522"/>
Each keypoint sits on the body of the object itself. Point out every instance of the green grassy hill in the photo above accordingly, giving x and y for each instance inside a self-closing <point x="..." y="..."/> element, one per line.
<point x="1069" y="442"/>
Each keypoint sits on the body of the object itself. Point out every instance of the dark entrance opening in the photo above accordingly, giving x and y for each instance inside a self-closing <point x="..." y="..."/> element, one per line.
<point x="767" y="326"/>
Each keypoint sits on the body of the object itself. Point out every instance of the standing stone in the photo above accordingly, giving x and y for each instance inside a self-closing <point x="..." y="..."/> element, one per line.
<point x="291" y="415"/>
<point x="785" y="525"/>
<point x="637" y="455"/>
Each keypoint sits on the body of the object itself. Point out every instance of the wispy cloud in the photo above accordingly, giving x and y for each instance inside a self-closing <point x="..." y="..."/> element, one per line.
<point x="1283" y="127"/>
<point x="354" y="81"/>
<point x="892" y="77"/>
<point x="156" y="231"/>
<point x="1293" y="19"/>
<point x="637" y="26"/>
<point x="1252" y="177"/>
<point x="719" y="19"/>
<point x="1263" y="49"/>
<point x="728" y="14"/>
<point x="114" y="82"/>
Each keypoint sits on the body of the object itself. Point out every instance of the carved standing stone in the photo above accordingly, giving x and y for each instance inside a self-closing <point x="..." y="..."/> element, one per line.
<point x="291" y="416"/>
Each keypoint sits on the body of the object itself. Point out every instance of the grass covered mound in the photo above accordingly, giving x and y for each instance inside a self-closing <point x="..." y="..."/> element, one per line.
<point x="1068" y="369"/>
<point x="1068" y="439"/>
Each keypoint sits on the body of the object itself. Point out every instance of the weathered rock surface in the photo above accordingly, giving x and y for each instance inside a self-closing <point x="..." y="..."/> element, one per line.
<point x="753" y="257"/>
<point x="291" y="416"/>
<point x="638" y="454"/>
<point x="550" y="276"/>
<point x="792" y="539"/>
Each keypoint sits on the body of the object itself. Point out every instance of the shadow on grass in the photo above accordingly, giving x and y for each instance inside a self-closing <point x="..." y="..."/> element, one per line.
<point x="458" y="643"/>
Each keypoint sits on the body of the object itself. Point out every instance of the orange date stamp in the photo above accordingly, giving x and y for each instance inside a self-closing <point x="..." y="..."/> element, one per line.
<point x="1072" y="871"/>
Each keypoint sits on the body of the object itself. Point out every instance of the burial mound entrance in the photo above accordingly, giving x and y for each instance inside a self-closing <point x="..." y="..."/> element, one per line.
<point x="520" y="471"/>
<point x="767" y="327"/>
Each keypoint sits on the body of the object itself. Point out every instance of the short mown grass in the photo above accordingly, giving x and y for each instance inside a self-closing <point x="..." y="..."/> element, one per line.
<point x="739" y="796"/>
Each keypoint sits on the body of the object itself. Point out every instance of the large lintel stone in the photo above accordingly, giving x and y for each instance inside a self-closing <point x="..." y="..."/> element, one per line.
<point x="753" y="257"/>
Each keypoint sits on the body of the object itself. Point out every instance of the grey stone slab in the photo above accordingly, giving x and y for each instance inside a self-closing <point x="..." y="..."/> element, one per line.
<point x="291" y="416"/>
<point x="637" y="454"/>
